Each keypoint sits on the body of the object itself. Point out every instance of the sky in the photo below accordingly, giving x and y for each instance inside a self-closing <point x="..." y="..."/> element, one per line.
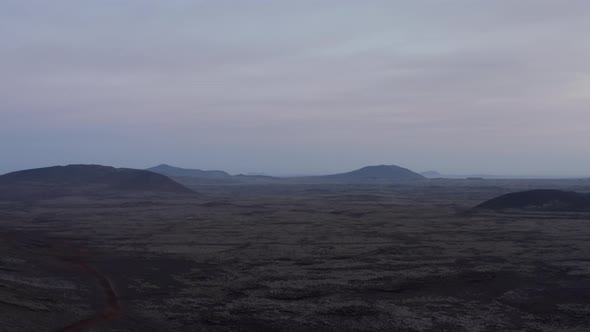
<point x="297" y="87"/>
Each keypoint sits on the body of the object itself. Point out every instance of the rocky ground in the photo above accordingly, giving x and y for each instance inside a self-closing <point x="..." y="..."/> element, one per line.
<point x="295" y="258"/>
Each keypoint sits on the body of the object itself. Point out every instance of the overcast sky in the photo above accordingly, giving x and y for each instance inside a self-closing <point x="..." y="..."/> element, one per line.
<point x="298" y="86"/>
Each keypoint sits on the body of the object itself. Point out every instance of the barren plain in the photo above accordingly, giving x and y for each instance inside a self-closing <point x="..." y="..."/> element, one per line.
<point x="296" y="257"/>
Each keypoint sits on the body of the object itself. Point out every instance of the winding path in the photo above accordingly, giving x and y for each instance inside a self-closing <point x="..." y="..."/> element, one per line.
<point x="111" y="309"/>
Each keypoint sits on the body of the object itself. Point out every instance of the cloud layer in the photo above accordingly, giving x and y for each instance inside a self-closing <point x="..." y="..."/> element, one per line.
<point x="297" y="86"/>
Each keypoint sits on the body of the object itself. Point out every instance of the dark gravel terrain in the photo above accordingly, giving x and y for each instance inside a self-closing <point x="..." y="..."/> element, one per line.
<point x="296" y="258"/>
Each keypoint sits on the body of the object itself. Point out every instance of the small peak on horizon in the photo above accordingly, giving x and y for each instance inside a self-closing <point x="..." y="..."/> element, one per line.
<point x="163" y="165"/>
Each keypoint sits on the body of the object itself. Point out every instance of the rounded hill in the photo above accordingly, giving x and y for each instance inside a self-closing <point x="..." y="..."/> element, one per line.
<point x="85" y="179"/>
<point x="542" y="199"/>
<point x="380" y="173"/>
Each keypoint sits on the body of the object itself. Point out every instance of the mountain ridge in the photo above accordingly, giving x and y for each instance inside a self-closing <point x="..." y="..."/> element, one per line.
<point x="168" y="170"/>
<point x="377" y="173"/>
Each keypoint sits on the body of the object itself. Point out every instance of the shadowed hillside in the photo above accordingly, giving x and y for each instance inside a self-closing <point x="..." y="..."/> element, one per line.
<point x="543" y="200"/>
<point x="83" y="179"/>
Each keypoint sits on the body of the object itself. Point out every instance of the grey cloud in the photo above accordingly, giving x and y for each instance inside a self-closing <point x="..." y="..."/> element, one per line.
<point x="241" y="85"/>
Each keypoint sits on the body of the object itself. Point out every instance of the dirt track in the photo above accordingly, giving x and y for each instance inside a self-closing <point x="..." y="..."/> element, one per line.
<point x="111" y="309"/>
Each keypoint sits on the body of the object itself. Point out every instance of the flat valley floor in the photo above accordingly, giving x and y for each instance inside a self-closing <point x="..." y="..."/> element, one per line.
<point x="296" y="257"/>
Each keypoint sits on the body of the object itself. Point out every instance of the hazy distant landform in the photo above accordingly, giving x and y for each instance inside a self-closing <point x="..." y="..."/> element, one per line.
<point x="431" y="174"/>
<point x="381" y="173"/>
<point x="197" y="176"/>
<point x="185" y="172"/>
<point x="96" y="180"/>
<point x="369" y="174"/>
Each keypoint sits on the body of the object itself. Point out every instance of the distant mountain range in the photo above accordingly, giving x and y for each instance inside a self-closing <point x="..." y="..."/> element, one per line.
<point x="91" y="180"/>
<point x="369" y="174"/>
<point x="196" y="173"/>
<point x="97" y="180"/>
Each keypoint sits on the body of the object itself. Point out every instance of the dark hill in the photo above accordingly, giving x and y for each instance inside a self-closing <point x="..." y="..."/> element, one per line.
<point x="382" y="173"/>
<point x="83" y="179"/>
<point x="196" y="173"/>
<point x="543" y="200"/>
